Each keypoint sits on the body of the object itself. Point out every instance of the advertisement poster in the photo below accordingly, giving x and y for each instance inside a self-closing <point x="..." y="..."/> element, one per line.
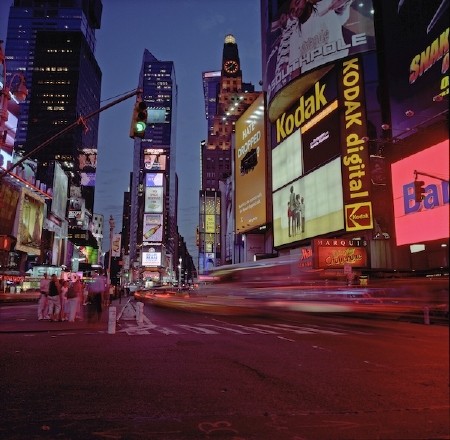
<point x="30" y="219"/>
<point x="60" y="188"/>
<point x="154" y="199"/>
<point x="417" y="222"/>
<point x="303" y="36"/>
<point x="9" y="198"/>
<point x="155" y="162"/>
<point x="116" y="244"/>
<point x="250" y="168"/>
<point x="310" y="206"/>
<point x="417" y="52"/>
<point x="339" y="254"/>
<point x="152" y="227"/>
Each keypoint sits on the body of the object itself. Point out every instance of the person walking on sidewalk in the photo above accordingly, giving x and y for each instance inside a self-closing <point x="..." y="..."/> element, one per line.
<point x="54" y="301"/>
<point x="43" y="299"/>
<point x="63" y="295"/>
<point x="74" y="294"/>
<point x="96" y="291"/>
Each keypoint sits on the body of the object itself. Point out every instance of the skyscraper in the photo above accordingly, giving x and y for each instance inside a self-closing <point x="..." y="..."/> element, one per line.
<point x="153" y="217"/>
<point x="233" y="97"/>
<point x="53" y="45"/>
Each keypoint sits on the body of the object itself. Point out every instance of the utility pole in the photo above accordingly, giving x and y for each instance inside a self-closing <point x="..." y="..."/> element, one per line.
<point x="81" y="120"/>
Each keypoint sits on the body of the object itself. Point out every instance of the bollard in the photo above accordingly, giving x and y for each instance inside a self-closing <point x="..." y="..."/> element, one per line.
<point x="426" y="315"/>
<point x="112" y="320"/>
<point x="140" y="313"/>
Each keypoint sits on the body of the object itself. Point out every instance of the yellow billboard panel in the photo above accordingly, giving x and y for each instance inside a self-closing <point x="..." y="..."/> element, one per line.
<point x="250" y="168"/>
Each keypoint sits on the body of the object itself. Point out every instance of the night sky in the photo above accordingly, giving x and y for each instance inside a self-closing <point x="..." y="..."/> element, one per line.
<point x="191" y="34"/>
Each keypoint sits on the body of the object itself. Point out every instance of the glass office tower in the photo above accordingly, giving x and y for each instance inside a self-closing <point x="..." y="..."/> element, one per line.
<point x="153" y="217"/>
<point x="53" y="44"/>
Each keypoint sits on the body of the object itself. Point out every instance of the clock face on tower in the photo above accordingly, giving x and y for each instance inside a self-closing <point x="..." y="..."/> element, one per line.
<point x="231" y="66"/>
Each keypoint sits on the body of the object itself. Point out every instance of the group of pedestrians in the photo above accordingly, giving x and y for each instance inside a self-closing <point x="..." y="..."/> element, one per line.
<point x="60" y="300"/>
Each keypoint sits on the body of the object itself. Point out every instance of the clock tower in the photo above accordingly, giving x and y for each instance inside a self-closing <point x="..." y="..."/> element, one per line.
<point x="231" y="66"/>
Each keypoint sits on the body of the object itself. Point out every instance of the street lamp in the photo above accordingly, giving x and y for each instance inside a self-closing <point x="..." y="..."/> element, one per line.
<point x="111" y="232"/>
<point x="20" y="93"/>
<point x="179" y="273"/>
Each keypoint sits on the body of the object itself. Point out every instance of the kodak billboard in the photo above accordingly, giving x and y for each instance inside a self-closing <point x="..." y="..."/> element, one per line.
<point x="355" y="156"/>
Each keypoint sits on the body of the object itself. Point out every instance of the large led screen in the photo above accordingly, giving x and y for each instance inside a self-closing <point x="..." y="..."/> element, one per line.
<point x="302" y="36"/>
<point x="417" y="55"/>
<point x="250" y="168"/>
<point x="287" y="161"/>
<point x="309" y="206"/>
<point x="154" y="199"/>
<point x="427" y="220"/>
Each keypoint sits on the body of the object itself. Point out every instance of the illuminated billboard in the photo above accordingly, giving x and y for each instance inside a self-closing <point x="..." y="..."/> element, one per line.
<point x="156" y="115"/>
<point x="154" y="160"/>
<point x="30" y="220"/>
<point x="302" y="36"/>
<point x="77" y="209"/>
<point x="427" y="220"/>
<point x="152" y="228"/>
<point x="60" y="188"/>
<point x="154" y="199"/>
<point x="87" y="160"/>
<point x="332" y="253"/>
<point x="116" y="245"/>
<point x="310" y="206"/>
<point x="357" y="185"/>
<point x="250" y="168"/>
<point x="87" y="179"/>
<point x="319" y="139"/>
<point x="287" y="163"/>
<point x="154" y="179"/>
<point x="151" y="258"/>
<point x="417" y="53"/>
<point x="9" y="199"/>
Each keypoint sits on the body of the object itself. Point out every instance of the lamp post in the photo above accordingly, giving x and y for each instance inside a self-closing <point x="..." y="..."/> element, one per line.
<point x="179" y="273"/>
<point x="111" y="232"/>
<point x="20" y="93"/>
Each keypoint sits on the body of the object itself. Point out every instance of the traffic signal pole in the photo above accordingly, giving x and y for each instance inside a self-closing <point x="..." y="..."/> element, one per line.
<point x="80" y="121"/>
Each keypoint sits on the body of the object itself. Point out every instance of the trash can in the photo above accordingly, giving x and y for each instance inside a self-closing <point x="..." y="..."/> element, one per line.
<point x="363" y="280"/>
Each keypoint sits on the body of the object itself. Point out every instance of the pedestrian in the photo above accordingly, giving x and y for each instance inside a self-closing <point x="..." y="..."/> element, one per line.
<point x="96" y="290"/>
<point x="54" y="301"/>
<point x="43" y="299"/>
<point x="63" y="296"/>
<point x="74" y="296"/>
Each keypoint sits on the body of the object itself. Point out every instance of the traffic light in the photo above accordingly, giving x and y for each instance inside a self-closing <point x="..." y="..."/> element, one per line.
<point x="419" y="190"/>
<point x="139" y="120"/>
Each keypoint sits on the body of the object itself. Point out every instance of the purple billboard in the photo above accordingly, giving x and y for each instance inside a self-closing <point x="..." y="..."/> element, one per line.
<point x="302" y="36"/>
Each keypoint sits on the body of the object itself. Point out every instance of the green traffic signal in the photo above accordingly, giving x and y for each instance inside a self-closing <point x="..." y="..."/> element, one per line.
<point x="139" y="120"/>
<point x="139" y="127"/>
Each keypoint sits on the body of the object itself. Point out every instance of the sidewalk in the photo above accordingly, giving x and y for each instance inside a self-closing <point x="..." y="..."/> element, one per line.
<point x="15" y="317"/>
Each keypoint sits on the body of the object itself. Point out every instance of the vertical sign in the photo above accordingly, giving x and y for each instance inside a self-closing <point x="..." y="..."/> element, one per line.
<point x="355" y="156"/>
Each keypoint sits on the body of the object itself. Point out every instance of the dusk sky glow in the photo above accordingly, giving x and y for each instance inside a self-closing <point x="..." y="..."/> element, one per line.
<point x="191" y="34"/>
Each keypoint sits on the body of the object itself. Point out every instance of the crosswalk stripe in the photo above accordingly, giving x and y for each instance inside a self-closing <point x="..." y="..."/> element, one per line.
<point x="213" y="329"/>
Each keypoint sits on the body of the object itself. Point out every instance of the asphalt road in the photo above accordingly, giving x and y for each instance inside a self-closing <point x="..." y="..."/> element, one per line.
<point x="189" y="376"/>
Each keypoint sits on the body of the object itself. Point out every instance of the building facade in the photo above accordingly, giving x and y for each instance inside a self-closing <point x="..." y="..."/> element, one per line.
<point x="232" y="99"/>
<point x="349" y="134"/>
<point x="53" y="45"/>
<point x="153" y="240"/>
